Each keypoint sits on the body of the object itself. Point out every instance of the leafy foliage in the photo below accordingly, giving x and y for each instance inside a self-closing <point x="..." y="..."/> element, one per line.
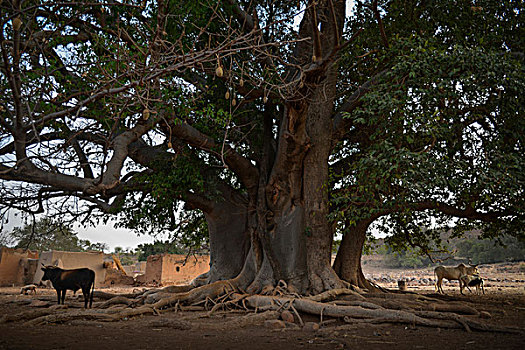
<point x="120" y="107"/>
<point x="474" y="247"/>
<point x="492" y="250"/>
<point x="47" y="234"/>
<point x="440" y="125"/>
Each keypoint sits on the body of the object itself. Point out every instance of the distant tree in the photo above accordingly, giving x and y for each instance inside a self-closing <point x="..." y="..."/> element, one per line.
<point x="98" y="246"/>
<point x="492" y="250"/>
<point x="158" y="247"/>
<point x="127" y="255"/>
<point x="454" y="250"/>
<point x="6" y="239"/>
<point x="410" y="258"/>
<point x="46" y="234"/>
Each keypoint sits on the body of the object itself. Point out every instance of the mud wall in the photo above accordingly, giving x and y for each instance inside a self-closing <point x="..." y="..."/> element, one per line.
<point x="15" y="267"/>
<point x="153" y="269"/>
<point x="177" y="269"/>
<point x="172" y="268"/>
<point x="73" y="260"/>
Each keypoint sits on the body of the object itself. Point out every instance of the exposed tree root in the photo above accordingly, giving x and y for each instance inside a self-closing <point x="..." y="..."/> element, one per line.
<point x="210" y="291"/>
<point x="453" y="307"/>
<point x="106" y="296"/>
<point x="167" y="290"/>
<point x="342" y="303"/>
<point x="334" y="293"/>
<point x="252" y="319"/>
<point x="400" y="296"/>
<point x="380" y="315"/>
<point x="26" y="315"/>
<point x="365" y="304"/>
<point x="177" y="289"/>
<point x="116" y="301"/>
<point x="237" y="298"/>
<point x="69" y="316"/>
<point x="316" y="308"/>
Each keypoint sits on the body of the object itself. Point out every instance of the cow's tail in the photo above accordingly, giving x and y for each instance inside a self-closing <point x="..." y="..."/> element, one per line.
<point x="436" y="281"/>
<point x="92" y="290"/>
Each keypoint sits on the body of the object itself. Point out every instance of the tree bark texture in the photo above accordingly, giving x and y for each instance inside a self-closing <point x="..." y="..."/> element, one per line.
<point x="347" y="263"/>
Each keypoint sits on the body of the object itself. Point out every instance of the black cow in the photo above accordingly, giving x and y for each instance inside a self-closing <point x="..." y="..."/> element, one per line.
<point x="74" y="280"/>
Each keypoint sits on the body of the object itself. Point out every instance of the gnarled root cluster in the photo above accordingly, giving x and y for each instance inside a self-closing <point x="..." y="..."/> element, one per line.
<point x="342" y="306"/>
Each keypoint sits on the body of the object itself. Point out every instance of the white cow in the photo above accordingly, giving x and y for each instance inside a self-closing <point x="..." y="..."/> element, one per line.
<point x="453" y="273"/>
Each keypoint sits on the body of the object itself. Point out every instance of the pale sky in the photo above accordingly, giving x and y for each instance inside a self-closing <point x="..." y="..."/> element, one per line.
<point x="120" y="237"/>
<point x="102" y="233"/>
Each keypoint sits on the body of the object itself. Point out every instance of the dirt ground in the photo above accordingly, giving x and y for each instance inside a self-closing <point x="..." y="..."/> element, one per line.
<point x="504" y="301"/>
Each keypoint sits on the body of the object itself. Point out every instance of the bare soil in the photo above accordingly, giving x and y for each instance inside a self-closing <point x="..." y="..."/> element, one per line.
<point x="503" y="301"/>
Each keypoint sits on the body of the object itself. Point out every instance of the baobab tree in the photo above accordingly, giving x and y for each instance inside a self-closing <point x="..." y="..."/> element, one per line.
<point x="279" y="121"/>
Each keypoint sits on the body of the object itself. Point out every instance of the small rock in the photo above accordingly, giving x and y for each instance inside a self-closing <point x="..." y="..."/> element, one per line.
<point x="287" y="316"/>
<point x="485" y="314"/>
<point x="311" y="326"/>
<point x="274" y="324"/>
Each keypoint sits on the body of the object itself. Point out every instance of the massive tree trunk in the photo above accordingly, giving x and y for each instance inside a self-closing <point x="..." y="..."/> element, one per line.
<point x="347" y="263"/>
<point x="291" y="233"/>
<point x="229" y="241"/>
<point x="319" y="231"/>
<point x="229" y="238"/>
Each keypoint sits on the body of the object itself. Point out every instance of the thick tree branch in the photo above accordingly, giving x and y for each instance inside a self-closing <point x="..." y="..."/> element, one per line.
<point x="342" y="125"/>
<point x="246" y="171"/>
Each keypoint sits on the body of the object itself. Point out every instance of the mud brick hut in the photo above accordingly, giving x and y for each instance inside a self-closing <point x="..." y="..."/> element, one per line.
<point x="166" y="269"/>
<point x="73" y="260"/>
<point x="17" y="266"/>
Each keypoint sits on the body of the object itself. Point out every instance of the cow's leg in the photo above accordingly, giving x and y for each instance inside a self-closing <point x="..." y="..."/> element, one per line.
<point x="63" y="295"/>
<point x="439" y="285"/>
<point x="58" y="296"/>
<point x="85" y="293"/>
